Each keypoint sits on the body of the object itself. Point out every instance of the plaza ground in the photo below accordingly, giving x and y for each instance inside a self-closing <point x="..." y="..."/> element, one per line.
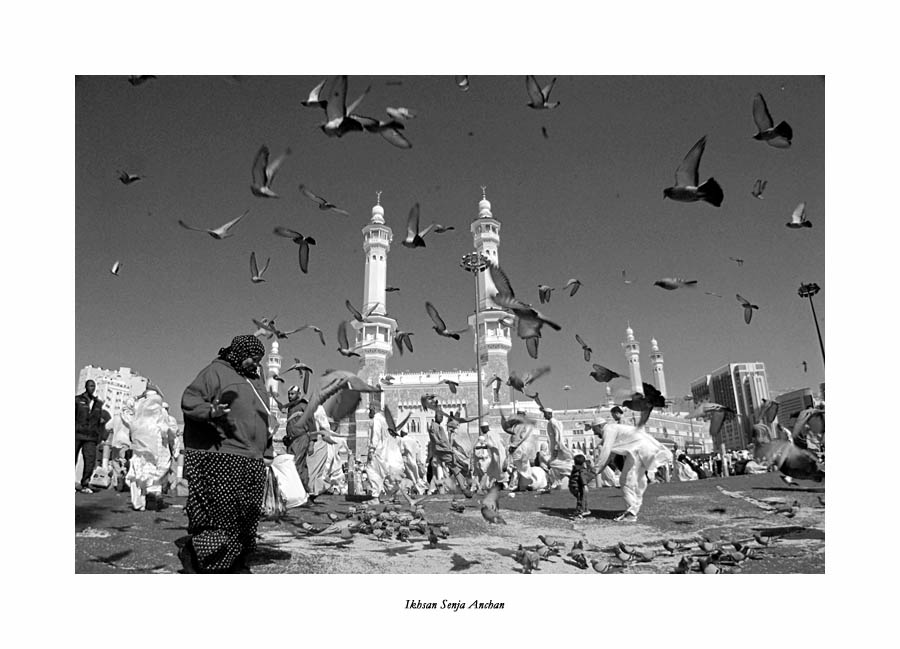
<point x="112" y="538"/>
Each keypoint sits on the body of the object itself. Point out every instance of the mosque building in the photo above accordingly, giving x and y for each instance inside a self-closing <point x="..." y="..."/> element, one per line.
<point x="402" y="391"/>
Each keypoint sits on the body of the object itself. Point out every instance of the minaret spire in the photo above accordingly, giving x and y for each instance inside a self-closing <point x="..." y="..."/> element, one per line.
<point x="633" y="356"/>
<point x="656" y="361"/>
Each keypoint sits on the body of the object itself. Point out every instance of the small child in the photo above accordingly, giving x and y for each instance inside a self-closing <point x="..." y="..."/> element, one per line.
<point x="581" y="475"/>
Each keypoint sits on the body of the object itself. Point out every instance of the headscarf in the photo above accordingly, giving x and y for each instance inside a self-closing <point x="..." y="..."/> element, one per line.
<point x="240" y="349"/>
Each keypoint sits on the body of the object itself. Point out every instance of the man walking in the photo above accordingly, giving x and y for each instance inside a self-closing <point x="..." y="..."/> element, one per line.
<point x="297" y="439"/>
<point x="89" y="425"/>
<point x="561" y="458"/>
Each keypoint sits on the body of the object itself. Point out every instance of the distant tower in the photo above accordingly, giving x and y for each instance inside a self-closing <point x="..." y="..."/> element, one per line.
<point x="375" y="337"/>
<point x="274" y="367"/>
<point x="656" y="361"/>
<point x="633" y="356"/>
<point x="495" y="335"/>
<point x="609" y="396"/>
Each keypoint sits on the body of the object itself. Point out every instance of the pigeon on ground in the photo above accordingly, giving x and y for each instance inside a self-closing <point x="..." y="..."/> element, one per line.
<point x="539" y="98"/>
<point x="584" y="346"/>
<point x="671" y="283"/>
<point x="798" y="218"/>
<point x="402" y="339"/>
<point x="458" y="506"/>
<point x="529" y="320"/>
<point x="549" y="541"/>
<point x="670" y="546"/>
<point x="219" y="233"/>
<point x="453" y="385"/>
<point x="414" y="236"/>
<point x="255" y="275"/>
<point x="432" y="537"/>
<point x="758" y="188"/>
<point x="490" y="508"/>
<point x="263" y="172"/>
<point x="313" y="100"/>
<point x="322" y="203"/>
<point x="462" y="81"/>
<point x="357" y="315"/>
<point x="303" y="242"/>
<point x="439" y="325"/>
<point x="127" y="178"/>
<point x="685" y="565"/>
<point x="776" y="136"/>
<point x="343" y="344"/>
<point x="687" y="188"/>
<point x="544" y="292"/>
<point x="316" y="329"/>
<point x="603" y="374"/>
<point x="601" y="565"/>
<point x="139" y="79"/>
<point x="748" y="308"/>
<point x="115" y="268"/>
<point x="574" y="285"/>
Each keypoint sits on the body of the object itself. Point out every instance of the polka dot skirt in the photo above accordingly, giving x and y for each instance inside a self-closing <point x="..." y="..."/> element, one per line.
<point x="224" y="505"/>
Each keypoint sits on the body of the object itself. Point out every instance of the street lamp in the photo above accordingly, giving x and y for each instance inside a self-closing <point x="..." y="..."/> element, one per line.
<point x="566" y="389"/>
<point x="807" y="291"/>
<point x="474" y="263"/>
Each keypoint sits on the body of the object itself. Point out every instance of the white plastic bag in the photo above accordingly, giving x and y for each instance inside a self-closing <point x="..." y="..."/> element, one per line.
<point x="289" y="483"/>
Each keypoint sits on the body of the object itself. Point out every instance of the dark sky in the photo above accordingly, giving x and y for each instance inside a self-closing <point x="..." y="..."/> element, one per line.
<point x="585" y="202"/>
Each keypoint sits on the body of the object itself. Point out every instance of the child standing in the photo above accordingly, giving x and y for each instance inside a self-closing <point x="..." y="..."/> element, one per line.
<point x="578" y="485"/>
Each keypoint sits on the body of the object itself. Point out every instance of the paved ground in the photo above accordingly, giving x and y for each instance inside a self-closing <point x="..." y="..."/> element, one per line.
<point x="111" y="538"/>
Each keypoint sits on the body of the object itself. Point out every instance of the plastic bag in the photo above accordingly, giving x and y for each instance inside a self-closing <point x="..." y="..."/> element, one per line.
<point x="100" y="478"/>
<point x="288" y="480"/>
<point x="273" y="503"/>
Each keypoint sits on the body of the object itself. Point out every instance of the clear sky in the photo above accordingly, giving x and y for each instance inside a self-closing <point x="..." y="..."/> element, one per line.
<point x="585" y="202"/>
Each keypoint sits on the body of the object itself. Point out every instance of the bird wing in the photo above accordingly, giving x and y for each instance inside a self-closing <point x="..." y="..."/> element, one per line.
<point x="342" y="335"/>
<point x="233" y="222"/>
<point x="310" y="195"/>
<point x="761" y="113"/>
<point x="336" y="106"/>
<point x="435" y="316"/>
<point x="742" y="300"/>
<point x="546" y="90"/>
<point x="534" y="91"/>
<point x="389" y="419"/>
<point x="412" y="223"/>
<point x="254" y="270"/>
<point x="272" y="167"/>
<point x="799" y="214"/>
<point x="395" y="137"/>
<point x="748" y="314"/>
<point x="266" y="267"/>
<point x="352" y="107"/>
<point x="580" y="341"/>
<point x="352" y="309"/>
<point x="403" y="423"/>
<point x="575" y="284"/>
<point x="535" y="374"/>
<point x="531" y="344"/>
<point x="191" y="227"/>
<point x="501" y="281"/>
<point x="304" y="254"/>
<point x="408" y="341"/>
<point x="258" y="171"/>
<point x="313" y="99"/>
<point x="687" y="173"/>
<point x="287" y="232"/>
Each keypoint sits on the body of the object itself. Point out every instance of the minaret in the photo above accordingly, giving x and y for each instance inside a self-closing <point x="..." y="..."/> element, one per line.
<point x="632" y="355"/>
<point x="273" y="366"/>
<point x="375" y="337"/>
<point x="494" y="323"/>
<point x="656" y="361"/>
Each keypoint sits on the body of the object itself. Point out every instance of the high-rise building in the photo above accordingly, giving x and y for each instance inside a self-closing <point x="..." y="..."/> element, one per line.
<point x="791" y="403"/>
<point x="741" y="387"/>
<point x="114" y="387"/>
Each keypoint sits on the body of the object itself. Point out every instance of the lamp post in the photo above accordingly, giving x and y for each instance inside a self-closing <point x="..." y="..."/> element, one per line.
<point x="807" y="291"/>
<point x="566" y="389"/>
<point x="475" y="263"/>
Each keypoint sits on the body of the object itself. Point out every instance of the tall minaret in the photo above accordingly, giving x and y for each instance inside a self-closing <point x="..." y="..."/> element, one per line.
<point x="633" y="356"/>
<point x="273" y="366"/>
<point x="375" y="337"/>
<point x="656" y="360"/>
<point x="495" y="336"/>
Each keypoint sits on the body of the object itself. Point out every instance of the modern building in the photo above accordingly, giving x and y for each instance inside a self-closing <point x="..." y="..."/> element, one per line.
<point x="741" y="387"/>
<point x="114" y="387"/>
<point x="790" y="404"/>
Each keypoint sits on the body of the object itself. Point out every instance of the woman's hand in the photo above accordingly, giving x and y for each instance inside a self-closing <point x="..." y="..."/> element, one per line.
<point x="218" y="409"/>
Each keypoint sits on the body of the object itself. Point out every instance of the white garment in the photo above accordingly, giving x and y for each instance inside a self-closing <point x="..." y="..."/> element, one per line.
<point x="410" y="450"/>
<point x="561" y="458"/>
<point x="643" y="455"/>
<point x="386" y="460"/>
<point x="151" y="436"/>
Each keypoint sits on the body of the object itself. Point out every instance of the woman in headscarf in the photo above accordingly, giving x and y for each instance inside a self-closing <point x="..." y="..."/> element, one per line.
<point x="152" y="438"/>
<point x="227" y="431"/>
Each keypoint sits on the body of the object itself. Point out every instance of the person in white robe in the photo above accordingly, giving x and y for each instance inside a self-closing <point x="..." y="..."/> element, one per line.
<point x="411" y="451"/>
<point x="152" y="439"/>
<point x="385" y="458"/>
<point x="321" y="459"/>
<point x="523" y="449"/>
<point x="561" y="458"/>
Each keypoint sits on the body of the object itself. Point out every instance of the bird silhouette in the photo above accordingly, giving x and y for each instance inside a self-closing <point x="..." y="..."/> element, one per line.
<point x="303" y="242"/>
<point x="748" y="308"/>
<point x="402" y="339"/>
<point x="115" y="268"/>
<point x="584" y="346"/>
<point x="139" y="79"/>
<point x="713" y="294"/>
<point x="687" y="188"/>
<point x="263" y="172"/>
<point x="544" y="133"/>
<point x="303" y="370"/>
<point x="490" y="508"/>
<point x="776" y="136"/>
<point x="400" y="112"/>
<point x="255" y="275"/>
<point x="321" y="202"/>
<point x="316" y="329"/>
<point x="549" y="541"/>
<point x="529" y="321"/>
<point x="462" y="82"/>
<point x="574" y="285"/>
<point x="391" y="289"/>
<point x="357" y="315"/>
<point x="758" y="188"/>
<point x="343" y="344"/>
<point x="269" y="326"/>
<point x="544" y="292"/>
<point x="645" y="403"/>
<point x="441" y="229"/>
<point x="313" y="100"/>
<point x="520" y="383"/>
<point x="126" y="178"/>
<point x="439" y="325"/>
<point x="672" y="283"/>
<point x="737" y="260"/>
<point x="338" y="118"/>
<point x="415" y="238"/>
<point x="219" y="233"/>
<point x="453" y="385"/>
<point x="539" y="98"/>
<point x="803" y="363"/>
<point x="603" y="374"/>
<point x="798" y="218"/>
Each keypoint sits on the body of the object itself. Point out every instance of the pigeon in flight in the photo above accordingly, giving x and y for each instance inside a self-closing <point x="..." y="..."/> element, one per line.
<point x="544" y="133"/>
<point x="490" y="509"/>
<point x="645" y="403"/>
<point x="439" y="325"/>
<point x="573" y="284"/>
<point x="262" y="330"/>
<point x="389" y="130"/>
<point x="529" y="321"/>
<point x="737" y="260"/>
<point x="625" y="278"/>
<point x="138" y="79"/>
<point x="803" y="363"/>
<point x="713" y="294"/>
<point x="776" y="136"/>
<point x="603" y="374"/>
<point x="391" y="289"/>
<point x="337" y="114"/>
<point x="313" y="99"/>
<point x="222" y="232"/>
<point x="539" y="98"/>
<point x="415" y="238"/>
<point x="584" y="346"/>
<point x="323" y="204"/>
<point x="388" y="379"/>
<point x="400" y="113"/>
<point x="343" y="344"/>
<point x="462" y="81"/>
<point x="115" y="268"/>
<point x="544" y="292"/>
<point x="520" y="383"/>
<point x="255" y="275"/>
<point x="359" y="317"/>
<point x="263" y="172"/>
<point x="798" y="218"/>
<point x="440" y="229"/>
<point x="395" y="429"/>
<point x="316" y="329"/>
<point x="401" y="339"/>
<point x="270" y="327"/>
<point x="758" y="188"/>
<point x="127" y="178"/>
<point x="671" y="283"/>
<point x="687" y="177"/>
<point x="304" y="370"/>
<point x="451" y="384"/>
<point x="748" y="308"/>
<point x="303" y="242"/>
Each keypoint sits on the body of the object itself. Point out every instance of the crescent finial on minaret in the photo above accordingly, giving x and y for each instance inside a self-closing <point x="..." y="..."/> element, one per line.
<point x="484" y="192"/>
<point x="378" y="197"/>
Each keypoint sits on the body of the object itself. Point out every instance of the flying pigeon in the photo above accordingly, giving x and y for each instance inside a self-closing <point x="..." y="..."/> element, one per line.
<point x="138" y="79"/>
<point x="222" y="232"/>
<point x="453" y="385"/>
<point x="304" y="370"/>
<point x="520" y="383"/>
<point x="337" y="114"/>
<point x="414" y="236"/>
<point x="798" y="218"/>
<point x="584" y="346"/>
<point x="127" y="178"/>
<point x="748" y="308"/>
<point x="441" y="229"/>
<point x="270" y="327"/>
<point x="255" y="275"/>
<point x="391" y="289"/>
<point x="395" y="429"/>
<point x="359" y="317"/>
<point x="115" y="268"/>
<point x="400" y="112"/>
<point x="687" y="188"/>
<point x="758" y="188"/>
<point x="303" y="242"/>
<point x="313" y="99"/>
<point x="389" y="130"/>
<point x="388" y="380"/>
<point x="529" y="320"/>
<point x="625" y="278"/>
<point x="671" y="283"/>
<point x="490" y="509"/>
<point x="263" y="172"/>
<point x="539" y="98"/>
<point x="316" y="329"/>
<point x="737" y="260"/>
<point x="401" y="339"/>
<point x="343" y="344"/>
<point x="645" y="403"/>
<point x="439" y="326"/>
<point x="574" y="284"/>
<point x="463" y="82"/>
<point x="323" y="204"/>
<point x="544" y="292"/>
<point x="777" y="136"/>
<point x="713" y="294"/>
